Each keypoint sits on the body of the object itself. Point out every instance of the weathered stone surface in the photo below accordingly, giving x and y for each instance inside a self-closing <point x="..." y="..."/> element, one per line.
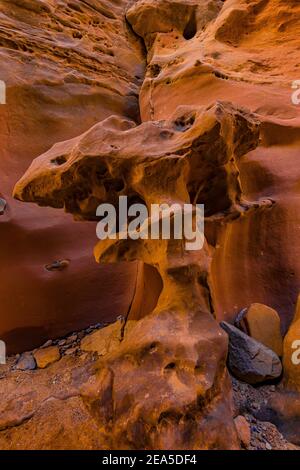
<point x="283" y="410"/>
<point x="183" y="18"/>
<point x="291" y="353"/>
<point x="46" y="356"/>
<point x="250" y="360"/>
<point x="44" y="410"/>
<point x="263" y="324"/>
<point x="61" y="405"/>
<point x="111" y="160"/>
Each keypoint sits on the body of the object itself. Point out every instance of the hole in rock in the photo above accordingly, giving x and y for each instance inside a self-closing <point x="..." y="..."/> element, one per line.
<point x="114" y="185"/>
<point x="100" y="172"/>
<point x="77" y="35"/>
<point x="170" y="366"/>
<point x="190" y="30"/>
<point x="220" y="75"/>
<point x="135" y="199"/>
<point x="58" y="265"/>
<point x="154" y="70"/>
<point x="166" y="134"/>
<point x="82" y="193"/>
<point x="59" y="160"/>
<point x="75" y="7"/>
<point x="184" y="123"/>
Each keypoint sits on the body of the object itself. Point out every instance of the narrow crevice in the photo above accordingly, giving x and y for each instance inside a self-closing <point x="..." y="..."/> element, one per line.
<point x="190" y="30"/>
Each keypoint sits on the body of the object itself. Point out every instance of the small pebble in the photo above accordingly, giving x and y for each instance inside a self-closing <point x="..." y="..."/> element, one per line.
<point x="71" y="339"/>
<point x="70" y="351"/>
<point x="47" y="344"/>
<point x="26" y="362"/>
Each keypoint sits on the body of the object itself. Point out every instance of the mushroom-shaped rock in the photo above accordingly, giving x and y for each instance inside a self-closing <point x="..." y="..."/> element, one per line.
<point x="165" y="385"/>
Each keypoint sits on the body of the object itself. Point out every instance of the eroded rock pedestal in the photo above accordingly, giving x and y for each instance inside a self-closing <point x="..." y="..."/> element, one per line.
<point x="166" y="385"/>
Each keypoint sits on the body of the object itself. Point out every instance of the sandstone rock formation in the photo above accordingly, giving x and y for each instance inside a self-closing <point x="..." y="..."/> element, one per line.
<point x="189" y="158"/>
<point x="263" y="324"/>
<point x="291" y="353"/>
<point x="215" y="125"/>
<point x="177" y="347"/>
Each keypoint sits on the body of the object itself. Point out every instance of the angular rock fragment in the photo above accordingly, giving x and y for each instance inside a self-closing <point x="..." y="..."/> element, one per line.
<point x="250" y="360"/>
<point x="70" y="351"/>
<point x="47" y="343"/>
<point x="45" y="357"/>
<point x="26" y="362"/>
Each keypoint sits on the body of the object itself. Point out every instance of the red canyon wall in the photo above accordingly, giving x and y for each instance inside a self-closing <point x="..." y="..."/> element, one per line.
<point x="66" y="65"/>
